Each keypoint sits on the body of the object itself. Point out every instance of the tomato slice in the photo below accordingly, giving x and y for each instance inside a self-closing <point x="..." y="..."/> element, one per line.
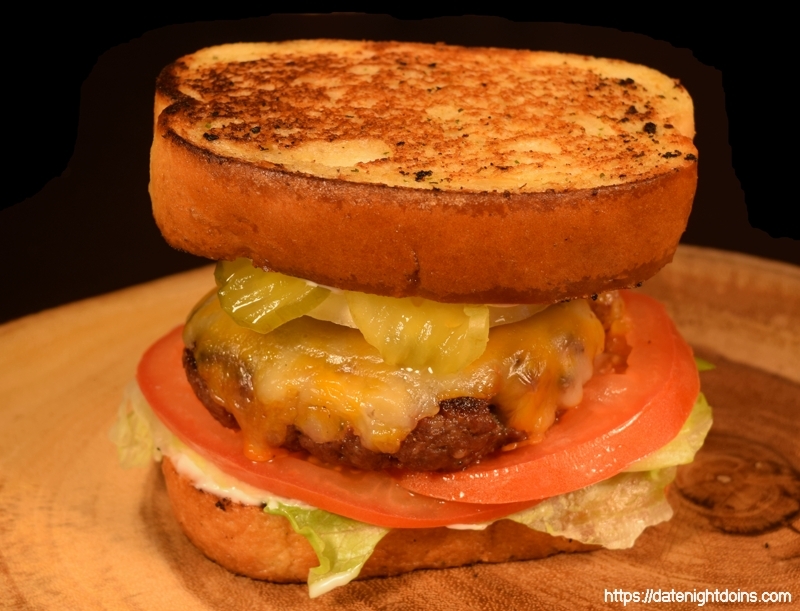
<point x="622" y="418"/>
<point x="371" y="497"/>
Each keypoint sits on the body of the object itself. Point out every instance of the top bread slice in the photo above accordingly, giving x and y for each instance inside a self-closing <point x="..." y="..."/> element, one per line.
<point x="473" y="175"/>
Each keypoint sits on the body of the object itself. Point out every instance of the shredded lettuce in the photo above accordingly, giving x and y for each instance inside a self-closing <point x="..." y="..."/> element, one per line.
<point x="140" y="438"/>
<point x="681" y="450"/>
<point x="135" y="430"/>
<point x="612" y="513"/>
<point x="703" y="365"/>
<point x="342" y="545"/>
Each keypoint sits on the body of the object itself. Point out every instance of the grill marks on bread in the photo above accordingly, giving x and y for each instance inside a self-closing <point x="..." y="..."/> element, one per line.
<point x="461" y="118"/>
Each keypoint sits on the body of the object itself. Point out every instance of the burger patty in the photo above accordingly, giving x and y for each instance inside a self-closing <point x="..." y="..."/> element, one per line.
<point x="463" y="431"/>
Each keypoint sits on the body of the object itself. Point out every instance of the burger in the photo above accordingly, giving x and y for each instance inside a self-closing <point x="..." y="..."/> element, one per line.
<point x="421" y="350"/>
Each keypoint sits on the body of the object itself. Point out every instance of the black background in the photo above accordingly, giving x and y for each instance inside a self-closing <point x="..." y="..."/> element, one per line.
<point x="76" y="219"/>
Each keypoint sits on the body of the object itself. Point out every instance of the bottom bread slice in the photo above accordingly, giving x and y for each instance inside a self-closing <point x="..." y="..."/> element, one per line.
<point x="247" y="541"/>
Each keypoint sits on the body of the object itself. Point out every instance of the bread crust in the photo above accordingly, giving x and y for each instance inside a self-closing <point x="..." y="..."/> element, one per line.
<point x="447" y="246"/>
<point x="604" y="213"/>
<point x="249" y="542"/>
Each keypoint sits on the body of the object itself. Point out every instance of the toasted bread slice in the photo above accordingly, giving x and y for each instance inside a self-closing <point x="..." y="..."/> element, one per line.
<point x="457" y="174"/>
<point x="247" y="541"/>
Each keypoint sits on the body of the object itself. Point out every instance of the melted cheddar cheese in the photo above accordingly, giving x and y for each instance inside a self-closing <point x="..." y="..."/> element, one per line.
<point x="324" y="378"/>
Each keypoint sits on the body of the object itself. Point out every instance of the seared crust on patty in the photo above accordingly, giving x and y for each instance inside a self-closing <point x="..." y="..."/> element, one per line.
<point x="555" y="197"/>
<point x="201" y="390"/>
<point x="249" y="542"/>
<point x="463" y="431"/>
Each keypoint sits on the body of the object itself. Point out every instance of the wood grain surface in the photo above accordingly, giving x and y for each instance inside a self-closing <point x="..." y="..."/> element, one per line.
<point x="78" y="532"/>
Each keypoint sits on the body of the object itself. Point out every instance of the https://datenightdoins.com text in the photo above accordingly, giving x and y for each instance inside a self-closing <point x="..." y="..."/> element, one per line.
<point x="698" y="597"/>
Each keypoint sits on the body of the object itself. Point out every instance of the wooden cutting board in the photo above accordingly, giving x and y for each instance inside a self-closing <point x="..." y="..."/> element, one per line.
<point x="78" y="532"/>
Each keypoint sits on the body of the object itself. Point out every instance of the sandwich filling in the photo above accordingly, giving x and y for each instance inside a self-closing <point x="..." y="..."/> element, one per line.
<point x="344" y="513"/>
<point x="611" y="513"/>
<point x="325" y="388"/>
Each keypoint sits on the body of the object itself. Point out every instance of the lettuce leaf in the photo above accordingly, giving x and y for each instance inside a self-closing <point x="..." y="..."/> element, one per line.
<point x="342" y="545"/>
<point x="612" y="513"/>
<point x="681" y="450"/>
<point x="140" y="438"/>
<point x="704" y="365"/>
<point x="134" y="432"/>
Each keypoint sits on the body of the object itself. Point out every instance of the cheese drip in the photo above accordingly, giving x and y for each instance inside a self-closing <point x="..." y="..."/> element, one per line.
<point x="324" y="378"/>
